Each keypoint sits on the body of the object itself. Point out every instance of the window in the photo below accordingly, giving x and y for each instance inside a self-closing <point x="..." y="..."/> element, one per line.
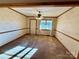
<point x="46" y="24"/>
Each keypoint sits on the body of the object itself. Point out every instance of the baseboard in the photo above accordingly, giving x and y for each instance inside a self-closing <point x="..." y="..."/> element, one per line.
<point x="42" y="35"/>
<point x="64" y="47"/>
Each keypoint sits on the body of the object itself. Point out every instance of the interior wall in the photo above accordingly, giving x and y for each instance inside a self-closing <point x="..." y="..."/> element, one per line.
<point x="68" y="24"/>
<point x="44" y="32"/>
<point x="12" y="25"/>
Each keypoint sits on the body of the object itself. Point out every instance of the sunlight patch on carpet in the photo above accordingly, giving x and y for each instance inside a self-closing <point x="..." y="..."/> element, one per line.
<point x="4" y="56"/>
<point x="24" y="52"/>
<point x="31" y="53"/>
<point x="14" y="50"/>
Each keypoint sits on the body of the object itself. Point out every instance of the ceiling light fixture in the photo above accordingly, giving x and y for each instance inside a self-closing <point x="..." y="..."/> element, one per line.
<point x="39" y="16"/>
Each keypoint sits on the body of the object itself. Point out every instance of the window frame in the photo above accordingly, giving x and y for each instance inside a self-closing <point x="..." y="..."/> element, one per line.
<point x="45" y="20"/>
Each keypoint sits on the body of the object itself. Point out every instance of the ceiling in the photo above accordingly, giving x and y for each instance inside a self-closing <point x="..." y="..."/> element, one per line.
<point x="45" y="11"/>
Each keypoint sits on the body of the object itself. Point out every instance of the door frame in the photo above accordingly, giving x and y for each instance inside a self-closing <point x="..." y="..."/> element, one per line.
<point x="35" y="26"/>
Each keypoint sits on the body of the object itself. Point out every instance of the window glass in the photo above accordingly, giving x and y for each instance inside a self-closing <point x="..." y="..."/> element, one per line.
<point x="46" y="24"/>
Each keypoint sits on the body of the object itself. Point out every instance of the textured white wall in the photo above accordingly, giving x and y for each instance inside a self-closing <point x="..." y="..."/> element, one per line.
<point x="10" y="20"/>
<point x="68" y="23"/>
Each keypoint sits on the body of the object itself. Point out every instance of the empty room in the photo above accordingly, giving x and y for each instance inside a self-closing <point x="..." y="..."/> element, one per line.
<point x="39" y="29"/>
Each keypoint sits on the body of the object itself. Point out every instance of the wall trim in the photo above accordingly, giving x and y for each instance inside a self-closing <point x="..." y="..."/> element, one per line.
<point x="45" y="16"/>
<point x="17" y="12"/>
<point x="13" y="30"/>
<point x="68" y="36"/>
<point x="43" y="35"/>
<point x="65" y="11"/>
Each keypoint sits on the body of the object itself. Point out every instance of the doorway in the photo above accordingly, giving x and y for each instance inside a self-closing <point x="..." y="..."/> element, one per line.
<point x="32" y="26"/>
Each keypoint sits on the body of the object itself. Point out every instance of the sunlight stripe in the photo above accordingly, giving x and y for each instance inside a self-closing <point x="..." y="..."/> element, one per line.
<point x="30" y="54"/>
<point x="24" y="52"/>
<point x="14" y="50"/>
<point x="4" y="56"/>
<point x="16" y="58"/>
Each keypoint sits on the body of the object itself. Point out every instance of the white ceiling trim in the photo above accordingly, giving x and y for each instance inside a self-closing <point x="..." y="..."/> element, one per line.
<point x="45" y="11"/>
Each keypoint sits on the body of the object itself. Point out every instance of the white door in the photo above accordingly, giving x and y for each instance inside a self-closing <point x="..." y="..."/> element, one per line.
<point x="33" y="27"/>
